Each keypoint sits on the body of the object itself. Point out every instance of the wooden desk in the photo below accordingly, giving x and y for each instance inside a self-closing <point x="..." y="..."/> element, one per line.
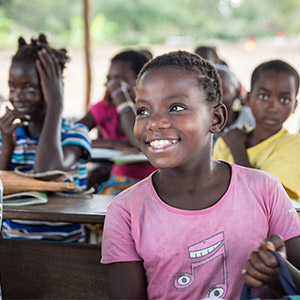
<point x="83" y="209"/>
<point x="51" y="270"/>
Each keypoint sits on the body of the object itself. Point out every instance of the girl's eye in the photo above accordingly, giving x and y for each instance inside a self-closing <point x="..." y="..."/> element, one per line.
<point x="11" y="88"/>
<point x="177" y="107"/>
<point x="29" y="89"/>
<point x="141" y="112"/>
<point x="263" y="96"/>
<point x="284" y="100"/>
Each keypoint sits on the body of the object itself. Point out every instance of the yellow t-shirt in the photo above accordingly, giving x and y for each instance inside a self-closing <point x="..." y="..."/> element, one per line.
<point x="279" y="155"/>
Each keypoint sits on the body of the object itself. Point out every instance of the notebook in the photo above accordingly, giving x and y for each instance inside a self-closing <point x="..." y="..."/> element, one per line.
<point x="25" y="198"/>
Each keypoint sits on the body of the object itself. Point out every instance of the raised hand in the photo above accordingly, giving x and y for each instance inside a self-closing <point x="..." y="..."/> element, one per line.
<point x="50" y="77"/>
<point x="115" y="87"/>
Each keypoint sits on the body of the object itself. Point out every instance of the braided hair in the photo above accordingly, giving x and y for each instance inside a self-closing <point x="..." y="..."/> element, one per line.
<point x="206" y="74"/>
<point x="29" y="52"/>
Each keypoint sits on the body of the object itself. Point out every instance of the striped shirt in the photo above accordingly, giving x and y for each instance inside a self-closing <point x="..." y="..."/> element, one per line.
<point x="24" y="155"/>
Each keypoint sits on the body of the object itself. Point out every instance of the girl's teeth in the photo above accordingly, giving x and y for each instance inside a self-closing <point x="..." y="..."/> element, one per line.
<point x="161" y="143"/>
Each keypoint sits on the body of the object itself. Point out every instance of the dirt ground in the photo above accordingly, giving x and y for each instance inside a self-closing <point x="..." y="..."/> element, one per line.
<point x="240" y="61"/>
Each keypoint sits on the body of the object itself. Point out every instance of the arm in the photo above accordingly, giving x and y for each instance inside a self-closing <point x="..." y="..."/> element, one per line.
<point x="127" y="280"/>
<point x="88" y="120"/>
<point x="262" y="267"/>
<point x="118" y="93"/>
<point x="8" y="126"/>
<point x="236" y="141"/>
<point x="62" y="158"/>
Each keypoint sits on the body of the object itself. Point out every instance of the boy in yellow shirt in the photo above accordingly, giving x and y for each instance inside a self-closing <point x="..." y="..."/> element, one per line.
<point x="269" y="147"/>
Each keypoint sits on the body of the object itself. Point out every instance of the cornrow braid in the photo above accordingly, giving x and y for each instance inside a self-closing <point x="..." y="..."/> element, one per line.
<point x="29" y="52"/>
<point x="206" y="74"/>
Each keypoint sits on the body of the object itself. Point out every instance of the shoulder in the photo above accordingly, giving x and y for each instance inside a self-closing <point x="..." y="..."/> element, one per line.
<point x="134" y="197"/>
<point x="254" y="178"/>
<point x="289" y="137"/>
<point x="75" y="133"/>
<point x="285" y="142"/>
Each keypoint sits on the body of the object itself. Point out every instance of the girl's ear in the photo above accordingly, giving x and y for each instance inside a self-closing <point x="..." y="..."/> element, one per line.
<point x="219" y="118"/>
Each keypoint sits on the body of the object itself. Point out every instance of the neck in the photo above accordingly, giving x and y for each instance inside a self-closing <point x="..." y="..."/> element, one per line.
<point x="258" y="135"/>
<point x="192" y="189"/>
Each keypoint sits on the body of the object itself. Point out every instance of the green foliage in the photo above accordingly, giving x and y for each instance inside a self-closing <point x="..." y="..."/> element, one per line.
<point x="144" y="22"/>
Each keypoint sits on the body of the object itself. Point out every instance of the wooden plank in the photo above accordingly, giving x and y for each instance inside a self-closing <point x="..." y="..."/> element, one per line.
<point x="44" y="270"/>
<point x="83" y="209"/>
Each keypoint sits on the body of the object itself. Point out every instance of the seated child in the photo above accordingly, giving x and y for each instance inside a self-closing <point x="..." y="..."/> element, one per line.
<point x="115" y="115"/>
<point x="269" y="147"/>
<point x="183" y="232"/>
<point x="34" y="133"/>
<point x="238" y="116"/>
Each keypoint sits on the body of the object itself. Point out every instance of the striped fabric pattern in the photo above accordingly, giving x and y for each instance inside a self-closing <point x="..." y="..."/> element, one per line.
<point x="24" y="155"/>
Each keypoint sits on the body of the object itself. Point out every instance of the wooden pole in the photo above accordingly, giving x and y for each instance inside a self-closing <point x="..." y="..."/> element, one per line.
<point x="86" y="16"/>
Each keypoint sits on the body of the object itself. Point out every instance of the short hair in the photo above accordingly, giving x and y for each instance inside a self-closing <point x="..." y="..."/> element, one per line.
<point x="136" y="58"/>
<point x="29" y="52"/>
<point x="277" y="66"/>
<point x="205" y="73"/>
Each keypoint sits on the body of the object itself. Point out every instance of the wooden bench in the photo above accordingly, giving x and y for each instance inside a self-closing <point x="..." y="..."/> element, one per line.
<point x="44" y="270"/>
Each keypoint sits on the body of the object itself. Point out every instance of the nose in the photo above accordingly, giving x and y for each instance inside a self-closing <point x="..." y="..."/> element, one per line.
<point x="158" y="122"/>
<point x="273" y="104"/>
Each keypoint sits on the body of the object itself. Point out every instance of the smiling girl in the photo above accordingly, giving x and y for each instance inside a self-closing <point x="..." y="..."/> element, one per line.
<point x="183" y="232"/>
<point x="34" y="134"/>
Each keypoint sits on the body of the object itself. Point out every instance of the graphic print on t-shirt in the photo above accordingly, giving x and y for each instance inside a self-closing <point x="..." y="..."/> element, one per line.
<point x="207" y="264"/>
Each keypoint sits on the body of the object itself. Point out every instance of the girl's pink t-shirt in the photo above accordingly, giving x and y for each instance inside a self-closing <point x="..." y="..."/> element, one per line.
<point x="198" y="254"/>
<point x="106" y="119"/>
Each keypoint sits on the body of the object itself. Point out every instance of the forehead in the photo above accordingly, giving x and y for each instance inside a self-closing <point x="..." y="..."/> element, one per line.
<point x="23" y="72"/>
<point x="120" y="67"/>
<point x="272" y="79"/>
<point x="169" y="80"/>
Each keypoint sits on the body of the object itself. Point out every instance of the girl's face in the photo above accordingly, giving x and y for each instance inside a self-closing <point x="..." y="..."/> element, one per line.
<point x="25" y="90"/>
<point x="272" y="99"/>
<point x="122" y="70"/>
<point x="173" y="119"/>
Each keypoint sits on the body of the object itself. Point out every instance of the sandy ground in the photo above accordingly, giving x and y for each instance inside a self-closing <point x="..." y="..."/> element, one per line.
<point x="241" y="62"/>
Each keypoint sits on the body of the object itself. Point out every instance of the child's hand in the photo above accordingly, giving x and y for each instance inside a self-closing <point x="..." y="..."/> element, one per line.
<point x="11" y="120"/>
<point x="116" y="86"/>
<point x="262" y="267"/>
<point x="51" y="78"/>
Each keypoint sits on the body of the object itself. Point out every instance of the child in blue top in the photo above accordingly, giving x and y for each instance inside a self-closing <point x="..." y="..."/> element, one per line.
<point x="33" y="132"/>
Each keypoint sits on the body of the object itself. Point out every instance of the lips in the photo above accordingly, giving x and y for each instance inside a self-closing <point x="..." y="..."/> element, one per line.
<point x="270" y="121"/>
<point x="162" y="143"/>
<point x="22" y="108"/>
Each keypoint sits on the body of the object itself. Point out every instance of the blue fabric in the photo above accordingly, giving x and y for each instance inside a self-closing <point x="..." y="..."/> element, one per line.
<point x="285" y="279"/>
